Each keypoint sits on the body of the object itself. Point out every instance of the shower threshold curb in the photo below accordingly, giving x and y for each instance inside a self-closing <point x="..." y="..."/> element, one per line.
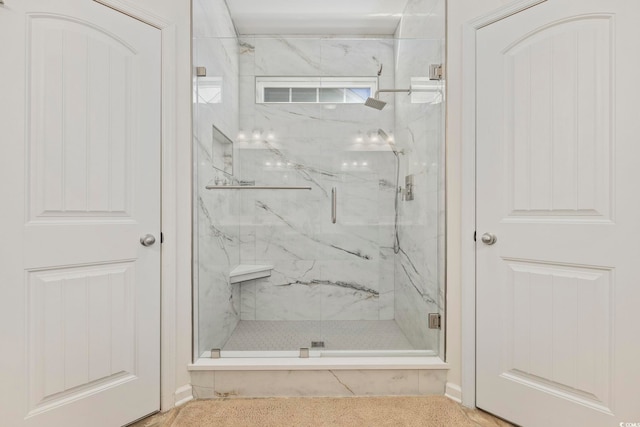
<point x="320" y="363"/>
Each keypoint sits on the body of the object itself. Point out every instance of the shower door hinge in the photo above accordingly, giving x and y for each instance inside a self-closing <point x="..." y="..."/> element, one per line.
<point x="434" y="321"/>
<point x="436" y="72"/>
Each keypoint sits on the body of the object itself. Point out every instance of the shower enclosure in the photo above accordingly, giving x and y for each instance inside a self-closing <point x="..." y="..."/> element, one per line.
<point x="318" y="220"/>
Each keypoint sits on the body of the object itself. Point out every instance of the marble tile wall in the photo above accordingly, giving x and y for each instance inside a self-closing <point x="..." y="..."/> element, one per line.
<point x="217" y="245"/>
<point x="322" y="271"/>
<point x="398" y="382"/>
<point x="419" y="263"/>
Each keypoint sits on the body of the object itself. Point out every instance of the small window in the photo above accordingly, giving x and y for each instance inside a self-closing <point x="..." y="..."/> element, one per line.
<point x="276" y="94"/>
<point x="357" y="95"/>
<point x="304" y="94"/>
<point x="314" y="90"/>
<point x="331" y="94"/>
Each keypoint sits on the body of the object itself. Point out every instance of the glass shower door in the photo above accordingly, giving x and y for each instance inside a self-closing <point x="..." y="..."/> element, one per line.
<point x="319" y="219"/>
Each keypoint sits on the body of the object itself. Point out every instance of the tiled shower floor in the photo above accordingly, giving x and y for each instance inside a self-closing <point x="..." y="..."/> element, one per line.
<point x="278" y="335"/>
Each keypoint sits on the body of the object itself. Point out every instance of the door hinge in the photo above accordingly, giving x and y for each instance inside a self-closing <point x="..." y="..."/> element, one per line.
<point x="201" y="71"/>
<point x="434" y="321"/>
<point x="161" y="237"/>
<point x="474" y="236"/>
<point x="435" y="72"/>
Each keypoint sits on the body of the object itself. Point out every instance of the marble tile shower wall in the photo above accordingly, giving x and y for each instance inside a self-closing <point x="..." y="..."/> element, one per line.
<point x="341" y="271"/>
<point x="419" y="264"/>
<point x="217" y="248"/>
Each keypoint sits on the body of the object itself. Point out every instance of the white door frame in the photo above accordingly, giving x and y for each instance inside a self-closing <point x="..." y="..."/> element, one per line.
<point x="175" y="222"/>
<point x="468" y="206"/>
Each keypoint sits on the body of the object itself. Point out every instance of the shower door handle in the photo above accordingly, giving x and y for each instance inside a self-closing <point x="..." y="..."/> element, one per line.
<point x="334" y="201"/>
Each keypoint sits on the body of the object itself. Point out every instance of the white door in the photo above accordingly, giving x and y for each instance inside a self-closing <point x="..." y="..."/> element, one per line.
<point x="80" y="165"/>
<point x="558" y="173"/>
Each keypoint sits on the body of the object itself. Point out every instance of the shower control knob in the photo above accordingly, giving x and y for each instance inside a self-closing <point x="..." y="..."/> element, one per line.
<point x="489" y="238"/>
<point x="147" y="240"/>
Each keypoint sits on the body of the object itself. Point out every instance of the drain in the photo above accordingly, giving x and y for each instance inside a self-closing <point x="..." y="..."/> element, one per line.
<point x="317" y="344"/>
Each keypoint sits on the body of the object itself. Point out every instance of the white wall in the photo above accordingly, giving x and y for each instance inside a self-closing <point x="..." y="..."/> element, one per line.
<point x="458" y="12"/>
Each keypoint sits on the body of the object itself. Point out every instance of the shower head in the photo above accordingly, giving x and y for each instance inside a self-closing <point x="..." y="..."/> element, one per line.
<point x="382" y="134"/>
<point x="378" y="104"/>
<point x="375" y="103"/>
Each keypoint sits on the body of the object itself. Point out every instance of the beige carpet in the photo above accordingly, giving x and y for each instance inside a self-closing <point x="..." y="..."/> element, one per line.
<point x="431" y="411"/>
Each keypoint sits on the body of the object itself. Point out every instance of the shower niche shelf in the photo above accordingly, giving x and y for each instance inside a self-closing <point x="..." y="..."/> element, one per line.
<point x="245" y="272"/>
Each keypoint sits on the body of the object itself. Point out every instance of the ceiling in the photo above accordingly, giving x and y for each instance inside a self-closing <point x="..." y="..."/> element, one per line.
<point x="348" y="17"/>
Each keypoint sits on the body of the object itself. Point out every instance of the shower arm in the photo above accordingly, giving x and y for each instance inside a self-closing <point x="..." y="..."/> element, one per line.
<point x="399" y="90"/>
<point x="391" y="90"/>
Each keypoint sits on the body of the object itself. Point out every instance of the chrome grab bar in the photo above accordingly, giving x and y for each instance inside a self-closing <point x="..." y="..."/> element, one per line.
<point x="334" y="204"/>
<point x="253" y="187"/>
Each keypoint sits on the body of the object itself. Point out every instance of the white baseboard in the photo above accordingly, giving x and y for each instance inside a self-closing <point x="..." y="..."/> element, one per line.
<point x="183" y="395"/>
<point x="453" y="392"/>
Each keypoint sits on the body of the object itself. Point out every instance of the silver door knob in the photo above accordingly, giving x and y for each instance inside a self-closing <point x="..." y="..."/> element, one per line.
<point x="489" y="238"/>
<point x="147" y="240"/>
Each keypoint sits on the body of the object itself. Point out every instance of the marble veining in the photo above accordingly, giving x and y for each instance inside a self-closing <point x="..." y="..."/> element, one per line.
<point x="354" y="252"/>
<point x="287" y="56"/>
<point x="246" y="47"/>
<point x="341" y="383"/>
<point x="304" y="171"/>
<point x="300" y="51"/>
<point x="216" y="384"/>
<point x="220" y="236"/>
<point x="347" y="285"/>
<point x="413" y="275"/>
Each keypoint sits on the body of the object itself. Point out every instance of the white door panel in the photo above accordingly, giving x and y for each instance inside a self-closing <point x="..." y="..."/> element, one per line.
<point x="556" y="185"/>
<point x="81" y="175"/>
